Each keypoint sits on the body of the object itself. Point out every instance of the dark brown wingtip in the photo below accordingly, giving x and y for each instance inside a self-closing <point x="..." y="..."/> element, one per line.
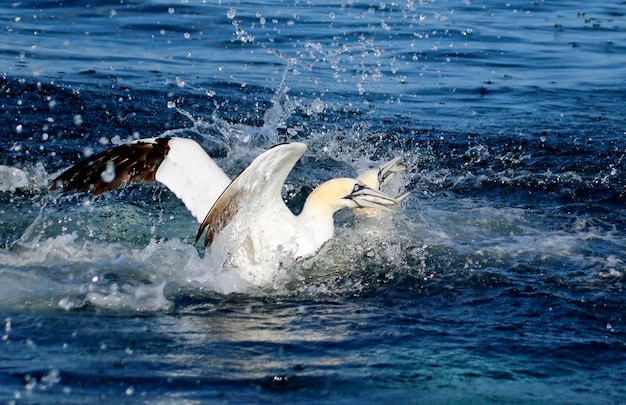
<point x="128" y="163"/>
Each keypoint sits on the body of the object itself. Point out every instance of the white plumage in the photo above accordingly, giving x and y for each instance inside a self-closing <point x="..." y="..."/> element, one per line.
<point x="192" y="175"/>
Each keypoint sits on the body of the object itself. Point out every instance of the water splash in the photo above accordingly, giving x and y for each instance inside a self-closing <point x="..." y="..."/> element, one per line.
<point x="220" y="132"/>
<point x="28" y="178"/>
<point x="12" y="178"/>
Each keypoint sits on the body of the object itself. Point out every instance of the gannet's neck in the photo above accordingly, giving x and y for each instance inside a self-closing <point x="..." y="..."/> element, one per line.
<point x="317" y="214"/>
<point x="318" y="224"/>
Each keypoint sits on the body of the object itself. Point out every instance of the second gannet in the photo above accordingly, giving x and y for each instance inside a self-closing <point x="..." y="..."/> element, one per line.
<point x="377" y="177"/>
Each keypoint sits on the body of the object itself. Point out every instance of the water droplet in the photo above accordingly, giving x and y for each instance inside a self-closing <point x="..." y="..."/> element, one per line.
<point x="53" y="377"/>
<point x="108" y="175"/>
<point x="66" y="304"/>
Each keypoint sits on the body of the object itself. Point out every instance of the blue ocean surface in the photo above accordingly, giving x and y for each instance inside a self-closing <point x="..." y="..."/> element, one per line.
<point x="500" y="280"/>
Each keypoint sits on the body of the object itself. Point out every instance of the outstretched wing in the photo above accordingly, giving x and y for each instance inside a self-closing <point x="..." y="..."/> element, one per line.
<point x="257" y="186"/>
<point x="180" y="164"/>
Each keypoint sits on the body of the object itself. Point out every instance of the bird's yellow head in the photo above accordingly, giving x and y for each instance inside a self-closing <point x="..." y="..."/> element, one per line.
<point x="333" y="195"/>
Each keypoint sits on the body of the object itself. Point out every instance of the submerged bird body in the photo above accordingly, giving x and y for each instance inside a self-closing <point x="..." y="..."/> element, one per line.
<point x="248" y="225"/>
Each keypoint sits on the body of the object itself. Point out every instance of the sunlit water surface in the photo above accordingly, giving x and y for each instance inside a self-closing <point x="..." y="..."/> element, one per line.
<point x="500" y="280"/>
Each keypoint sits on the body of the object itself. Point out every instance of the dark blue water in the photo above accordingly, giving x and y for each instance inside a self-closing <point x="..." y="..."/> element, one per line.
<point x="500" y="280"/>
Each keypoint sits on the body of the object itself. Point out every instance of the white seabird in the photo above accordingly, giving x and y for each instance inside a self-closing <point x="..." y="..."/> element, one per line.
<point x="251" y="228"/>
<point x="377" y="177"/>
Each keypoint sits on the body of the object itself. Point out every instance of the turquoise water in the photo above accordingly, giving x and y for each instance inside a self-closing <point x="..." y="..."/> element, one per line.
<point x="501" y="279"/>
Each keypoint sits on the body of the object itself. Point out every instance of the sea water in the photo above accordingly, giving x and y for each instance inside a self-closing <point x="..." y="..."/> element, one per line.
<point x="501" y="278"/>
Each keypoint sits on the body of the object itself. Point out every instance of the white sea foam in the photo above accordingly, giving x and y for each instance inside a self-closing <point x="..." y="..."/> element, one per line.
<point x="68" y="272"/>
<point x="126" y="297"/>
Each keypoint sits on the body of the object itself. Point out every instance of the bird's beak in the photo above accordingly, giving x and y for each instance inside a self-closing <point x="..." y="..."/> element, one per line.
<point x="365" y="197"/>
<point x="389" y="169"/>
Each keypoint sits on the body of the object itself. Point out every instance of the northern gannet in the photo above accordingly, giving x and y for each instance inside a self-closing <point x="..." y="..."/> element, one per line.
<point x="377" y="177"/>
<point x="246" y="219"/>
<point x="253" y="228"/>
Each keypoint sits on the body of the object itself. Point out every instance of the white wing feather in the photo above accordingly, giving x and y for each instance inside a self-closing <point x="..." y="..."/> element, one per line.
<point x="192" y="175"/>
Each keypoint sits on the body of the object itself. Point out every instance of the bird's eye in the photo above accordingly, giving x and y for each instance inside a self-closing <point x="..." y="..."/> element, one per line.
<point x="358" y="187"/>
